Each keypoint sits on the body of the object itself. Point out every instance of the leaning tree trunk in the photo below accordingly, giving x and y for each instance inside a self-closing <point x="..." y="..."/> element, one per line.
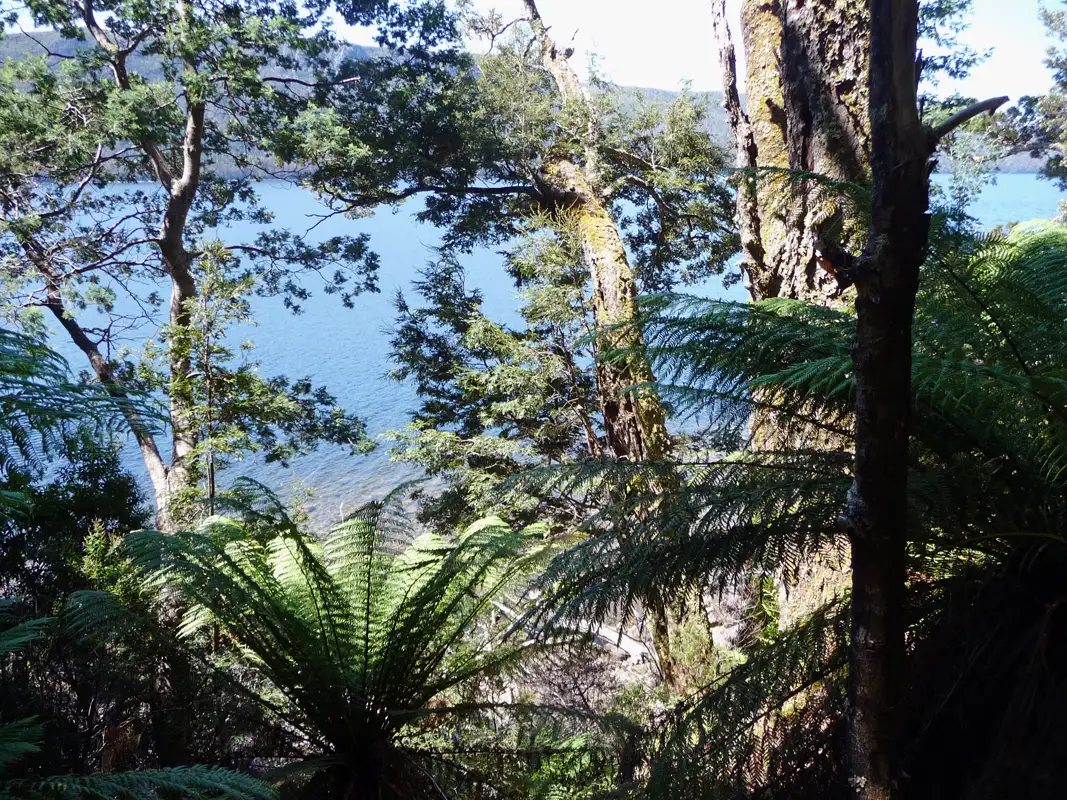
<point x="169" y="481"/>
<point x="634" y="420"/>
<point x="802" y="133"/>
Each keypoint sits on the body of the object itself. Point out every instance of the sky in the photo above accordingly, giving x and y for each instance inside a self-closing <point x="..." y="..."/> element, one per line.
<point x="661" y="43"/>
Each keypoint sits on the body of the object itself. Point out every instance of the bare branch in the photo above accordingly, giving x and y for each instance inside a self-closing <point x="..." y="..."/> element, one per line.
<point x="961" y="117"/>
<point x="312" y="84"/>
<point x="47" y="51"/>
<point x="85" y="181"/>
<point x="369" y="201"/>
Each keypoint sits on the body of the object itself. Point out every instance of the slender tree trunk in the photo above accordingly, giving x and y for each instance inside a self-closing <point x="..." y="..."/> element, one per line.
<point x="101" y="366"/>
<point x="635" y="421"/>
<point x="876" y="516"/>
<point x="886" y="279"/>
<point x="146" y="443"/>
<point x="168" y="480"/>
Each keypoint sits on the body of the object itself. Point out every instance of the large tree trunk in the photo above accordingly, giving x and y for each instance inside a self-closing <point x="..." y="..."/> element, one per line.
<point x="804" y="125"/>
<point x="635" y="421"/>
<point x="832" y="87"/>
<point x="806" y="115"/>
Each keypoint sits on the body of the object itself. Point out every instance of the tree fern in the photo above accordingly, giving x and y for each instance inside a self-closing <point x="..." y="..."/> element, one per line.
<point x="364" y="639"/>
<point x="38" y="396"/>
<point x="987" y="507"/>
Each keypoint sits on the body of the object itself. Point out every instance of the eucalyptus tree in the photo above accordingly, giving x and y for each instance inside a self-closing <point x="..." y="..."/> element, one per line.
<point x="178" y="96"/>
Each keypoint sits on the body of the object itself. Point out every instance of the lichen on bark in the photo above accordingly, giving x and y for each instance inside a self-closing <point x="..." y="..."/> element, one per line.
<point x="806" y="86"/>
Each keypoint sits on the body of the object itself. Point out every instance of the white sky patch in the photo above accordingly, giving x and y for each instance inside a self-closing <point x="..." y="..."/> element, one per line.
<point x="663" y="43"/>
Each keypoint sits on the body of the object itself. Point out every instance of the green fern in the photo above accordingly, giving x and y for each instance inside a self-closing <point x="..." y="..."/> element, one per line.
<point x="987" y="507"/>
<point x="38" y="397"/>
<point x="196" y="783"/>
<point x="364" y="640"/>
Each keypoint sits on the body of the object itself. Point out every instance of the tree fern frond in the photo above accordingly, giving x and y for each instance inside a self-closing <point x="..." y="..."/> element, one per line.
<point x="986" y="500"/>
<point x="17" y="740"/>
<point x="195" y="783"/>
<point x="774" y="711"/>
<point x="359" y="633"/>
<point x="753" y="512"/>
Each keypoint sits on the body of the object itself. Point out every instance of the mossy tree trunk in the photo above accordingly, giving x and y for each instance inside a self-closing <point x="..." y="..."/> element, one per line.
<point x="805" y="115"/>
<point x="635" y="421"/>
<point x="802" y="127"/>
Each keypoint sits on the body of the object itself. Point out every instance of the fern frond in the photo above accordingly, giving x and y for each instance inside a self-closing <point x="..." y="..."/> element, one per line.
<point x="363" y="635"/>
<point x="775" y="712"/>
<point x="195" y="783"/>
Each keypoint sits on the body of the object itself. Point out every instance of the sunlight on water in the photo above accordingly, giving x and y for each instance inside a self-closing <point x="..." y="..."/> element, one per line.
<point x="348" y="349"/>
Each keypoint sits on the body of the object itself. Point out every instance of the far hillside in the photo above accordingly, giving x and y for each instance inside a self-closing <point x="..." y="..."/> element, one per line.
<point x="19" y="46"/>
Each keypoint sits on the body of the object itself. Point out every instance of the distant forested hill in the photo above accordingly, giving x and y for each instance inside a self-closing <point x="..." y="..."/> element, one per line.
<point x="19" y="45"/>
<point x="718" y="125"/>
<point x="23" y="45"/>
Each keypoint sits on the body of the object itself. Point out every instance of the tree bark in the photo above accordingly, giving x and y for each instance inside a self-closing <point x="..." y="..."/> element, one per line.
<point x="635" y="421"/>
<point x="806" y="87"/>
<point x="887" y="280"/>
<point x="168" y="480"/>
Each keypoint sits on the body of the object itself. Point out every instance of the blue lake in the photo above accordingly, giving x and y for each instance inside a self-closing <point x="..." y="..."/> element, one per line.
<point x="348" y="349"/>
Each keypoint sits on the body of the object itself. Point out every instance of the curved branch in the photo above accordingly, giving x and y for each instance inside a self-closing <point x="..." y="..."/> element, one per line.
<point x="939" y="132"/>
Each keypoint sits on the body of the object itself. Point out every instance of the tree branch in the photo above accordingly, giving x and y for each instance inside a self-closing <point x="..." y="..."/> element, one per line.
<point x="98" y="33"/>
<point x="411" y="191"/>
<point x="85" y="181"/>
<point x="308" y="84"/>
<point x="122" y="80"/>
<point x="938" y="133"/>
<point x="748" y="213"/>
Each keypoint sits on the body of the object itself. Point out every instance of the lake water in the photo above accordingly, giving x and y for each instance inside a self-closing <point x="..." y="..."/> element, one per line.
<point x="348" y="349"/>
